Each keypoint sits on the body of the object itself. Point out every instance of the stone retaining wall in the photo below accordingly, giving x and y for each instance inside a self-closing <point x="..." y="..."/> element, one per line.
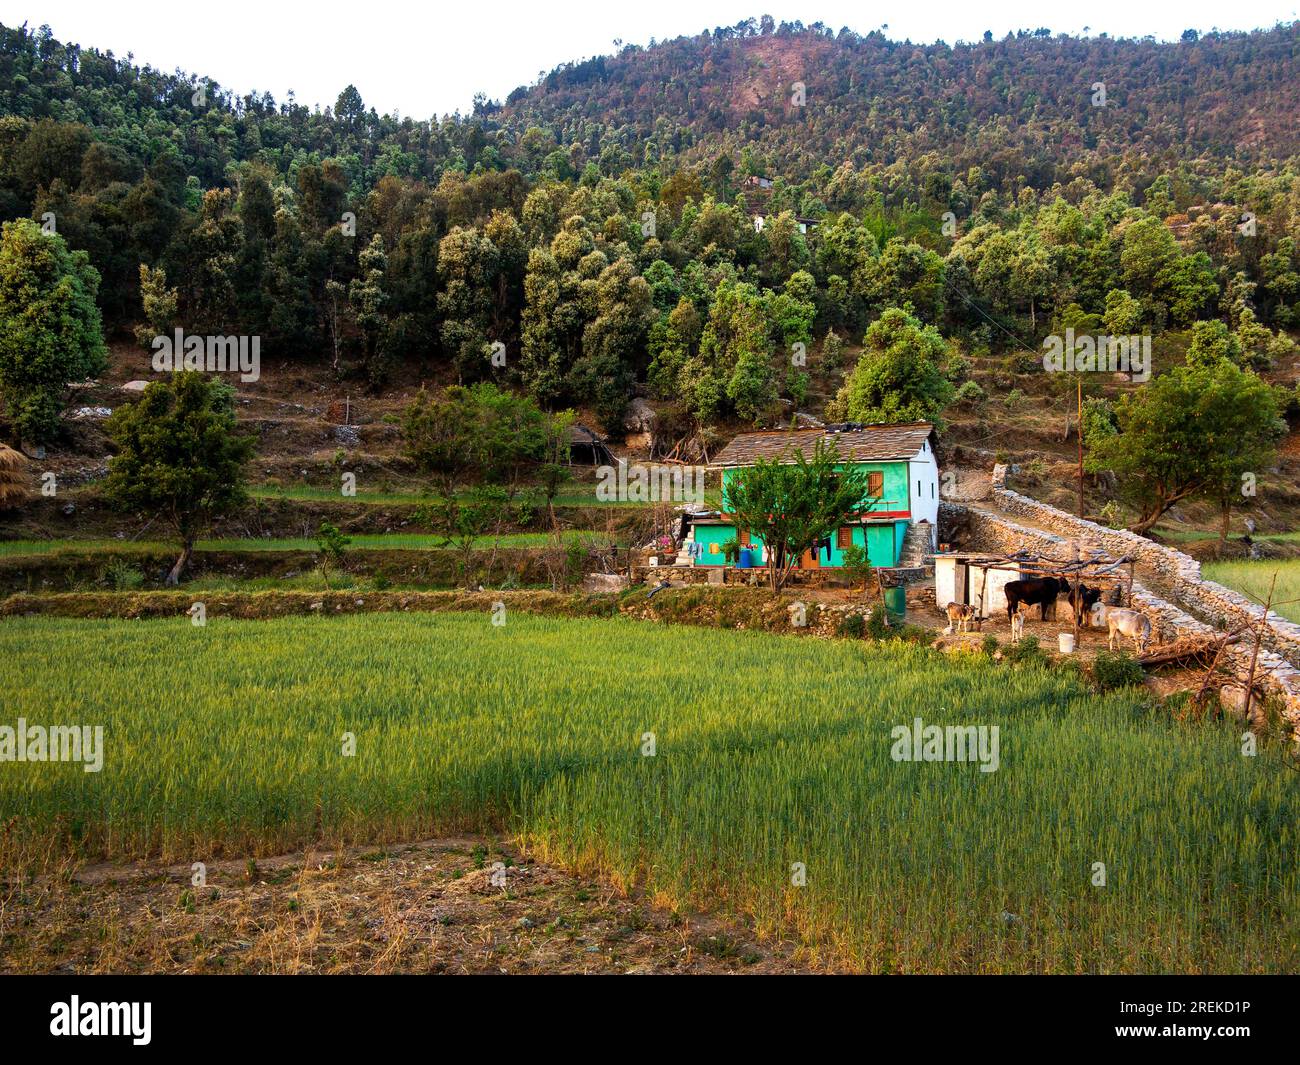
<point x="1194" y="606"/>
<point x="1180" y="575"/>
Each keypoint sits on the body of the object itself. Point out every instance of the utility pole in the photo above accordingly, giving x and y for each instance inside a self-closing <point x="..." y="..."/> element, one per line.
<point x="1078" y="428"/>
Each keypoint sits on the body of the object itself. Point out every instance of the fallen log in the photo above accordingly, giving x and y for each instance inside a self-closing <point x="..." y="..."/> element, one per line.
<point x="1187" y="649"/>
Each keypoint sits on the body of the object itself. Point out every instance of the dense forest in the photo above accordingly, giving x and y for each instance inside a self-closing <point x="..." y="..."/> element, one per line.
<point x="598" y="229"/>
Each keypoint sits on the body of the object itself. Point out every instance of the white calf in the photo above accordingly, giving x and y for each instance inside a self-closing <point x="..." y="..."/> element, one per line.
<point x="1018" y="624"/>
<point x="1121" y="622"/>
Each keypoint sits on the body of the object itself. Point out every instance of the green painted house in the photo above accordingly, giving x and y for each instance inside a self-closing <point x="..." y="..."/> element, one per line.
<point x="902" y="491"/>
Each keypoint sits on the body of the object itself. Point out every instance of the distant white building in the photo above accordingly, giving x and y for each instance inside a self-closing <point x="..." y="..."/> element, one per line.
<point x="805" y="224"/>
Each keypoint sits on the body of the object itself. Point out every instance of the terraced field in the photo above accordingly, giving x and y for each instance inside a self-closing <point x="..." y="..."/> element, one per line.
<point x="737" y="771"/>
<point x="377" y="542"/>
<point x="1256" y="578"/>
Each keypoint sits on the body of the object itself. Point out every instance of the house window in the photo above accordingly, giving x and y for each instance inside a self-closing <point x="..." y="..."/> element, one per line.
<point x="931" y="489"/>
<point x="875" y="484"/>
<point x="918" y="489"/>
<point x="844" y="540"/>
<point x="743" y="538"/>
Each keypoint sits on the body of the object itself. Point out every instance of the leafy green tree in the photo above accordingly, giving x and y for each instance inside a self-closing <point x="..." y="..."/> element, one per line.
<point x="792" y="503"/>
<point x="1123" y="315"/>
<point x="1189" y="286"/>
<point x="905" y="273"/>
<point x="611" y="341"/>
<point x="179" y="458"/>
<point x="479" y="431"/>
<point x="673" y="341"/>
<point x="832" y="352"/>
<point x="549" y="345"/>
<point x="468" y="263"/>
<point x="665" y="288"/>
<point x="1190" y="432"/>
<point x="50" y="331"/>
<point x="332" y="545"/>
<point x="733" y="366"/>
<point x="367" y="297"/>
<point x="160" y="305"/>
<point x="1211" y="343"/>
<point x="1148" y="250"/>
<point x="899" y="377"/>
<point x="857" y="565"/>
<point x="793" y="312"/>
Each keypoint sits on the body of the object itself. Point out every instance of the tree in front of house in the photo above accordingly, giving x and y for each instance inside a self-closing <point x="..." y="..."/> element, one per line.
<point x="899" y="376"/>
<point x="50" y="330"/>
<point x="179" y="458"/>
<point x="1190" y="432"/>
<point x="858" y="567"/>
<point x="792" y="506"/>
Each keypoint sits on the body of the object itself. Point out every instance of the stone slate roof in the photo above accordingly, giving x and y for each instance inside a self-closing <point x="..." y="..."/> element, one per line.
<point x="580" y="434"/>
<point x="858" y="443"/>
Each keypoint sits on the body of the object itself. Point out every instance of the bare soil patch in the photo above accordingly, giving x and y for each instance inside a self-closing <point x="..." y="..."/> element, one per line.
<point x="462" y="905"/>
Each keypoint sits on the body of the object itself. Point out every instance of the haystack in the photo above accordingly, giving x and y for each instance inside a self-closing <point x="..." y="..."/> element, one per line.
<point x="13" y="479"/>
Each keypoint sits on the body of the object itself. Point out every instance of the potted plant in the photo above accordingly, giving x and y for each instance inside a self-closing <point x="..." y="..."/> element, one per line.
<point x="667" y="554"/>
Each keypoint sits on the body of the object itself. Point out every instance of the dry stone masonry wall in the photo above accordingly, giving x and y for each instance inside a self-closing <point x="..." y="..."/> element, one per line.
<point x="1187" y="604"/>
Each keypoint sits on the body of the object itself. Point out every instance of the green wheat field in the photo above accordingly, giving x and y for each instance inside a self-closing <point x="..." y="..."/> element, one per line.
<point x="1257" y="577"/>
<point x="228" y="740"/>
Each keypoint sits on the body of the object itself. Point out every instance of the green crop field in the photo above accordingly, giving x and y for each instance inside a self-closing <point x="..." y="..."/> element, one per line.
<point x="1256" y="577"/>
<point x="769" y="751"/>
<point x="377" y="541"/>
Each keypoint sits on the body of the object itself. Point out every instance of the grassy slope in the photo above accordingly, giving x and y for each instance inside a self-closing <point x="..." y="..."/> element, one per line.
<point x="226" y="739"/>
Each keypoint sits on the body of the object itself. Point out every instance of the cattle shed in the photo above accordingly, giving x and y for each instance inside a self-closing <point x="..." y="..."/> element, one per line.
<point x="978" y="579"/>
<point x="588" y="448"/>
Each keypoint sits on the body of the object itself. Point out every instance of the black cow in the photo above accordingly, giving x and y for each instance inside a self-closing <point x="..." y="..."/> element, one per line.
<point x="1040" y="591"/>
<point x="1082" y="597"/>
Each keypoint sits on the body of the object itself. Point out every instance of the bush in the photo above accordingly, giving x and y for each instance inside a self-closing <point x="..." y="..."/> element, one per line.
<point x="1116" y="669"/>
<point x="921" y="635"/>
<point x="958" y="370"/>
<point x="858" y="567"/>
<point x="878" y="625"/>
<point x="989" y="645"/>
<point x="575" y="562"/>
<point x="122" y="576"/>
<point x="1026" y="652"/>
<point x="852" y="626"/>
<point x="970" y="392"/>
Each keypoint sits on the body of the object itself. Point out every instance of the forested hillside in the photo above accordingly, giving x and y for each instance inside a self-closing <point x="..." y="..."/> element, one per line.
<point x="599" y="225"/>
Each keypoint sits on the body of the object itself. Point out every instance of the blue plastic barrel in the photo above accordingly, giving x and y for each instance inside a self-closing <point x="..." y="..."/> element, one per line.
<point x="745" y="559"/>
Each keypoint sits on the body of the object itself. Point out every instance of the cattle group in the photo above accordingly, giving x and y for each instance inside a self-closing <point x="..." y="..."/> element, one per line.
<point x="1043" y="592"/>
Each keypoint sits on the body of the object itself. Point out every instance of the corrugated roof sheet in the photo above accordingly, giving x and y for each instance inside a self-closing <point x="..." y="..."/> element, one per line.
<point x="870" y="443"/>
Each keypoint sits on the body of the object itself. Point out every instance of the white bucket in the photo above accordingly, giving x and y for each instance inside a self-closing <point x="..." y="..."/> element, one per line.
<point x="1066" y="642"/>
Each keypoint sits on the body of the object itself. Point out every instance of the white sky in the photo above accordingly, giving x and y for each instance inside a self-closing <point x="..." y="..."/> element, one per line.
<point x="421" y="59"/>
